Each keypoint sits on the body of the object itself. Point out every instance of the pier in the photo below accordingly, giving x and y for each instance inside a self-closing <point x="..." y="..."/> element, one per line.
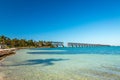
<point x="85" y="45"/>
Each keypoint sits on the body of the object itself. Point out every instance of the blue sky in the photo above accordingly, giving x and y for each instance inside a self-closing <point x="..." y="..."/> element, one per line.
<point x="86" y="21"/>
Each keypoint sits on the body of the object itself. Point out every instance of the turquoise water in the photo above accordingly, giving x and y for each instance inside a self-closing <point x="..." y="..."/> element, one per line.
<point x="97" y="63"/>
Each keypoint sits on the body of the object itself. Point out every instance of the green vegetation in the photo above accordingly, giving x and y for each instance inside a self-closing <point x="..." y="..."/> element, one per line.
<point x="23" y="42"/>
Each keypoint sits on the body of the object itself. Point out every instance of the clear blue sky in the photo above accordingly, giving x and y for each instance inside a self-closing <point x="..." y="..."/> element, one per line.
<point x="87" y="21"/>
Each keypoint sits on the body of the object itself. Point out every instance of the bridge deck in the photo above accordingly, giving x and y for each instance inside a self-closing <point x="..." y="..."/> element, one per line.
<point x="84" y="45"/>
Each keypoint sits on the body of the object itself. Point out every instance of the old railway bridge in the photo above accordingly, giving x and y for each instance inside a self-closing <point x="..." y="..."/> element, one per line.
<point x="70" y="44"/>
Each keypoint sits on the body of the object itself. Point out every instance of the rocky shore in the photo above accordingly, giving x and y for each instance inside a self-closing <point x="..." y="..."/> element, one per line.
<point x="6" y="52"/>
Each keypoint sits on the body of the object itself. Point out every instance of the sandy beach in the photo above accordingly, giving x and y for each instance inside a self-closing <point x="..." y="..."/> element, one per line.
<point x="2" y="76"/>
<point x="4" y="53"/>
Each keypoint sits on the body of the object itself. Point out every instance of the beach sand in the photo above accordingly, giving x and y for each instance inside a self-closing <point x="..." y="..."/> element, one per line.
<point x="2" y="76"/>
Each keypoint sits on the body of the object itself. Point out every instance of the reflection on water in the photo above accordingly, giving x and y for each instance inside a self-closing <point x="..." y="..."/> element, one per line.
<point x="45" y="64"/>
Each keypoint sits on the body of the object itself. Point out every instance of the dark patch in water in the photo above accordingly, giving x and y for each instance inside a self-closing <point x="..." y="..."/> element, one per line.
<point x="43" y="61"/>
<point x="84" y="50"/>
<point x="46" y="62"/>
<point x="66" y="52"/>
<point x="74" y="52"/>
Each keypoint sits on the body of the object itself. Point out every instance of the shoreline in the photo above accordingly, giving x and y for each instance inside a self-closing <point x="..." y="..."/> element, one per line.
<point x="6" y="52"/>
<point x="3" y="54"/>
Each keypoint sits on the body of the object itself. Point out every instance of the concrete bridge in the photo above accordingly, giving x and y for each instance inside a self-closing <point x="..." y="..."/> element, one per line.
<point x="85" y="45"/>
<point x="58" y="44"/>
<point x="61" y="44"/>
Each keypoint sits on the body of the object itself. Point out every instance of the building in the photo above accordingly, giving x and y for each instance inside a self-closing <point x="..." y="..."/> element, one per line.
<point x="2" y="46"/>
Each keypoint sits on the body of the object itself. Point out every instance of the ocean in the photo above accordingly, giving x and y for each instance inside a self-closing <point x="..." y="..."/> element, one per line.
<point x="90" y="63"/>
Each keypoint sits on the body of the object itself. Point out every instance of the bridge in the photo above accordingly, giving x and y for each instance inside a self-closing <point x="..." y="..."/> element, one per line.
<point x="58" y="44"/>
<point x="70" y="44"/>
<point x="85" y="45"/>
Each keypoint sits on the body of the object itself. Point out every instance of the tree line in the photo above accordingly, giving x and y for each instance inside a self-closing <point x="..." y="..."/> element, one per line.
<point x="23" y="42"/>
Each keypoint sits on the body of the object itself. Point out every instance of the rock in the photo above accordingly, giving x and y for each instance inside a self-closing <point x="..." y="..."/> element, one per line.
<point x="7" y="52"/>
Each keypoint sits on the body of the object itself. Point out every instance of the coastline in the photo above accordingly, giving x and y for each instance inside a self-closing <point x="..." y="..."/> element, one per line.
<point x="7" y="52"/>
<point x="3" y="54"/>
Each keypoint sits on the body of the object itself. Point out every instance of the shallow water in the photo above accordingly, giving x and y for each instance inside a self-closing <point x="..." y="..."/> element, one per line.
<point x="98" y="63"/>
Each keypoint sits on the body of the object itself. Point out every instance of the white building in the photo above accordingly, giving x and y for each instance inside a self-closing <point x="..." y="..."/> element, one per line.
<point x="2" y="46"/>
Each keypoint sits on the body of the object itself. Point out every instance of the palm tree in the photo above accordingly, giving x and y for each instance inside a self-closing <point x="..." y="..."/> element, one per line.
<point x="3" y="39"/>
<point x="30" y="43"/>
<point x="23" y="43"/>
<point x="40" y="43"/>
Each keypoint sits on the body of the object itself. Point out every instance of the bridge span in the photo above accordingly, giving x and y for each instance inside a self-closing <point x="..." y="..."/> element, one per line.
<point x="58" y="44"/>
<point x="85" y="45"/>
<point x="71" y="44"/>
